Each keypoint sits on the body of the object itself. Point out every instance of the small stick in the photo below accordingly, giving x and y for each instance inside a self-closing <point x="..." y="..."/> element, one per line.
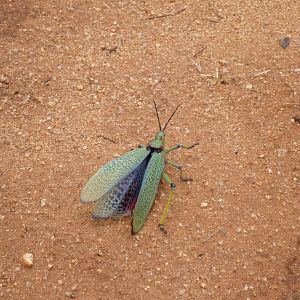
<point x="106" y="138"/>
<point x="211" y="235"/>
<point x="25" y="150"/>
<point x="207" y="75"/>
<point x="217" y="73"/>
<point x="212" y="20"/>
<point x="215" y="13"/>
<point x="48" y="80"/>
<point x="261" y="73"/>
<point x="166" y="15"/>
<point x="199" y="68"/>
<point x="201" y="50"/>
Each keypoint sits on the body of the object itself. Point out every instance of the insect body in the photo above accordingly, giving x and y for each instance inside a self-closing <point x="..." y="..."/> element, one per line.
<point x="128" y="185"/>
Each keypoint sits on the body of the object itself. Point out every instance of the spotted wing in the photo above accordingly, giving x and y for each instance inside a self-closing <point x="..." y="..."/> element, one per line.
<point x="120" y="200"/>
<point x="129" y="200"/>
<point x="148" y="190"/>
<point x="112" y="174"/>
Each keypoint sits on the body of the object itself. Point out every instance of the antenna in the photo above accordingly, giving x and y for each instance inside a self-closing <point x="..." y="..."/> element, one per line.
<point x="155" y="105"/>
<point x="171" y="117"/>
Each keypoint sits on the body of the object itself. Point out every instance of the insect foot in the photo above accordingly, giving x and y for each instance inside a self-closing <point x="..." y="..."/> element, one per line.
<point x="162" y="228"/>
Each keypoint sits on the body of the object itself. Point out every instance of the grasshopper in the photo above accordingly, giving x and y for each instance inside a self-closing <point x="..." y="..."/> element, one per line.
<point x="128" y="184"/>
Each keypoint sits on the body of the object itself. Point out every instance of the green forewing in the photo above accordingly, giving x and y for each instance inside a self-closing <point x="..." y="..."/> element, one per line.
<point x="120" y="200"/>
<point x="110" y="174"/>
<point x="148" y="190"/>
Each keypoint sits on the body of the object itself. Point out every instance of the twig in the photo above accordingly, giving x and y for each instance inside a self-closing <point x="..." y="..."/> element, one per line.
<point x="211" y="235"/>
<point x="217" y="73"/>
<point x="25" y="150"/>
<point x="106" y="138"/>
<point x="207" y="75"/>
<point x="46" y="82"/>
<point x="261" y="73"/>
<point x="166" y="15"/>
<point x="215" y="13"/>
<point x="212" y="20"/>
<point x="201" y="50"/>
<point x="199" y="68"/>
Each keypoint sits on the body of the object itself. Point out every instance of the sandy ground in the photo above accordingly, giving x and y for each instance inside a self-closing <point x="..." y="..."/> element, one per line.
<point x="77" y="80"/>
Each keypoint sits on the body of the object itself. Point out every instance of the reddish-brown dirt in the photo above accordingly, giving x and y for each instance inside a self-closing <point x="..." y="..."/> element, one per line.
<point x="77" y="80"/>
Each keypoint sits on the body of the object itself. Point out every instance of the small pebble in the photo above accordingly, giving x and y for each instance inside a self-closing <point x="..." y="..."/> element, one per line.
<point x="296" y="119"/>
<point x="181" y="292"/>
<point x="43" y="202"/>
<point x="80" y="86"/>
<point x="147" y="288"/>
<point x="204" y="204"/>
<point x="27" y="260"/>
<point x="249" y="86"/>
<point x="285" y="42"/>
<point x="4" y="79"/>
<point x="51" y="103"/>
<point x="70" y="294"/>
<point x="281" y="152"/>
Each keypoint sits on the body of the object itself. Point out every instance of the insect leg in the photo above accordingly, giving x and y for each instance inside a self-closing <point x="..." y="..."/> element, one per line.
<point x="178" y="146"/>
<point x="179" y="168"/>
<point x="167" y="208"/>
